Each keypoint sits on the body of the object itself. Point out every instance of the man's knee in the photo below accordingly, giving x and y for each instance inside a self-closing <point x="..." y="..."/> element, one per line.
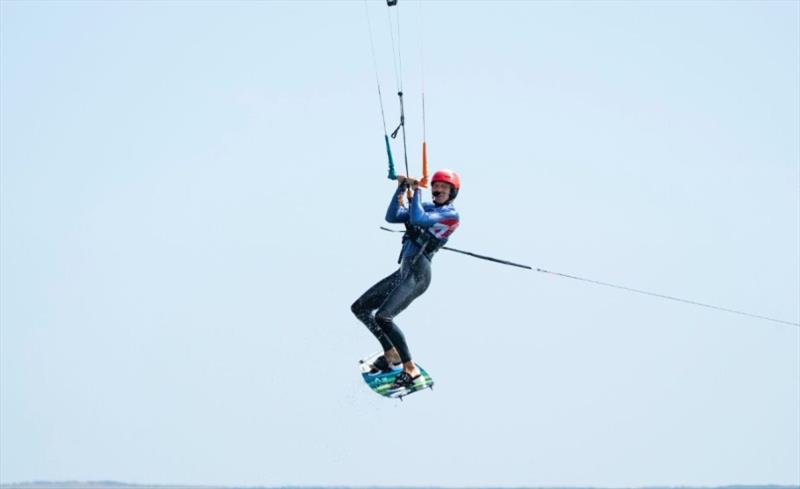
<point x="357" y="308"/>
<point x="383" y="318"/>
<point x="361" y="310"/>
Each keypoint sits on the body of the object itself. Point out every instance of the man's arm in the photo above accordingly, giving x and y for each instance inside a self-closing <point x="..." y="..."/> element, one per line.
<point x="396" y="213"/>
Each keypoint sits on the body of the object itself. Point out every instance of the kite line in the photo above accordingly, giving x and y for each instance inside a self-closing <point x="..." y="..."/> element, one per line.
<point x="616" y="286"/>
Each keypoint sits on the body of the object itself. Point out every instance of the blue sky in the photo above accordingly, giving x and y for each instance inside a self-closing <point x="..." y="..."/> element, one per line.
<point x="191" y="195"/>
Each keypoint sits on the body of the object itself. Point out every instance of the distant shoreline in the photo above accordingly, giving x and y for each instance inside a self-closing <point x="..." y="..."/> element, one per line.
<point x="123" y="485"/>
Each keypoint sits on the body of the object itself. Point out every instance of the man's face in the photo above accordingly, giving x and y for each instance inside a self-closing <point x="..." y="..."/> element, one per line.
<point x="441" y="192"/>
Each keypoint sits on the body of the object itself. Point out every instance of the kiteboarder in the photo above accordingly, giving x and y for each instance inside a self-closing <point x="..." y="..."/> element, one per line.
<point x="428" y="227"/>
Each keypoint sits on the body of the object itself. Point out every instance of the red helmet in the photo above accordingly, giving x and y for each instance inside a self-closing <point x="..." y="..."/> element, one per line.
<point x="448" y="176"/>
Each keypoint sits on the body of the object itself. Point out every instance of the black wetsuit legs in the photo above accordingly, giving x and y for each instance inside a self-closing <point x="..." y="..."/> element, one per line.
<point x="390" y="297"/>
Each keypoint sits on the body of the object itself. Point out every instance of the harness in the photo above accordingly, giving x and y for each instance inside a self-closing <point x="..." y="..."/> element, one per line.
<point x="427" y="242"/>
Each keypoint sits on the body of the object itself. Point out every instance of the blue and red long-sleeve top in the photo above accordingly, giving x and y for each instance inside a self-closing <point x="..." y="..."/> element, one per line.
<point x="439" y="220"/>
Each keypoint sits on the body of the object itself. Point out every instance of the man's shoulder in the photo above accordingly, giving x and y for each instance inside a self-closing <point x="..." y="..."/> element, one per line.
<point x="450" y="211"/>
<point x="430" y="206"/>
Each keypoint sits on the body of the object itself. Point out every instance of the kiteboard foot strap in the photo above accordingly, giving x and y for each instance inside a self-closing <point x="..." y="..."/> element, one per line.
<point x="381" y="364"/>
<point x="405" y="380"/>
